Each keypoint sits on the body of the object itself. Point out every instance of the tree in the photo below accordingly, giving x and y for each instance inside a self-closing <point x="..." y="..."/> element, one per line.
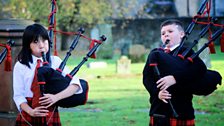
<point x="26" y="10"/>
<point x="76" y="13"/>
<point x="70" y="13"/>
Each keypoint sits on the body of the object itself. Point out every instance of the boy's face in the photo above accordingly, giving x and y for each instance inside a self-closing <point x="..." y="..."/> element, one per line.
<point x="39" y="46"/>
<point x="172" y="33"/>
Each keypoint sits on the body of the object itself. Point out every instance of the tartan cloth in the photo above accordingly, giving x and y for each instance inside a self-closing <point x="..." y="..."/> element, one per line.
<point x="175" y="122"/>
<point x="35" y="87"/>
<point x="52" y="119"/>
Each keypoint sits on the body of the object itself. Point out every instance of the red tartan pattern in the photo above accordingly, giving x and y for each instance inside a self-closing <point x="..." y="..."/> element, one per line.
<point x="52" y="120"/>
<point x="35" y="88"/>
<point x="175" y="122"/>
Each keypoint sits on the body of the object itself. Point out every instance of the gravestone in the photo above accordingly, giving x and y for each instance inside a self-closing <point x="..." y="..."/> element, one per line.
<point x="204" y="55"/>
<point x="105" y="51"/>
<point x="123" y="65"/>
<point x="99" y="64"/>
<point x="137" y="53"/>
<point x="137" y="50"/>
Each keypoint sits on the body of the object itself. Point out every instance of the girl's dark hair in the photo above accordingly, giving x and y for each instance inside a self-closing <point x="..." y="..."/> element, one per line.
<point x="32" y="33"/>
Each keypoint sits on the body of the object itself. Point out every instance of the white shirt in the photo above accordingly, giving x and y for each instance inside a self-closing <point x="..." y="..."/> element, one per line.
<point x="173" y="47"/>
<point x="23" y="78"/>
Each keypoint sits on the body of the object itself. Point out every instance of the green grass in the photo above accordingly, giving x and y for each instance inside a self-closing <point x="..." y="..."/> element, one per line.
<point x="121" y="100"/>
<point x="212" y="104"/>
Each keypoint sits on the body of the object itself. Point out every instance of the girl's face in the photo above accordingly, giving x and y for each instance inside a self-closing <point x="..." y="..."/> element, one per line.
<point x="172" y="33"/>
<point x="39" y="46"/>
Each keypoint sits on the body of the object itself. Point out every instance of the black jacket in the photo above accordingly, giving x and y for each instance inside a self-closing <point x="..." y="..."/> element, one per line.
<point x="181" y="91"/>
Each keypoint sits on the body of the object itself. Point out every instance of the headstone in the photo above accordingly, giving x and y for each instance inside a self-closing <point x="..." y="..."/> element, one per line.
<point x="204" y="55"/>
<point x="137" y="50"/>
<point x="123" y="65"/>
<point x="106" y="50"/>
<point x="124" y="42"/>
<point x="95" y="33"/>
<point x="97" y="65"/>
<point x="137" y="53"/>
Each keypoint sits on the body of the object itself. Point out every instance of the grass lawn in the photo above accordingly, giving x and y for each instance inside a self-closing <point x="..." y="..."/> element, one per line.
<point x="121" y="100"/>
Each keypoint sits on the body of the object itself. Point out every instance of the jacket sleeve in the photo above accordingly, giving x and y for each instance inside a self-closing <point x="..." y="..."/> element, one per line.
<point x="149" y="79"/>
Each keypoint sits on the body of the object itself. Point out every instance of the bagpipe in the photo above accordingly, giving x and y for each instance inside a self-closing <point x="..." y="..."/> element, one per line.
<point x="52" y="81"/>
<point x="184" y="60"/>
<point x="6" y="53"/>
<point x="203" y="81"/>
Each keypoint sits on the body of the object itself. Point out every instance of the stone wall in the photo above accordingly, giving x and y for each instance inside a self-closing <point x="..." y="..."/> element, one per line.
<point x="146" y="32"/>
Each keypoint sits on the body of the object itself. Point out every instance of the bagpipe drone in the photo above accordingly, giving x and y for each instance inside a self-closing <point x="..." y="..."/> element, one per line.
<point x="184" y="60"/>
<point x="52" y="81"/>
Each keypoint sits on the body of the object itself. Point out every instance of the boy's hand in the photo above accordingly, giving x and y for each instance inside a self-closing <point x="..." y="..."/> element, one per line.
<point x="166" y="82"/>
<point x="163" y="95"/>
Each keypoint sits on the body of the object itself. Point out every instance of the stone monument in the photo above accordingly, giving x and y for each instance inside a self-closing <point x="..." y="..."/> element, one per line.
<point x="123" y="65"/>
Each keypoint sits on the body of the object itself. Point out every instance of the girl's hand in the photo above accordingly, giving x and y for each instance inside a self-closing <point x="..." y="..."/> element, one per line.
<point x="48" y="100"/>
<point x="40" y="111"/>
<point x="163" y="95"/>
<point x="166" y="82"/>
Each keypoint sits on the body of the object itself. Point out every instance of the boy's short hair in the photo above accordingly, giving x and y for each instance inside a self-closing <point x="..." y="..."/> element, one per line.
<point x="171" y="22"/>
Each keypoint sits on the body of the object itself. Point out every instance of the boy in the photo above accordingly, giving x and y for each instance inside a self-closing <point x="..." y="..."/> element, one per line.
<point x="174" y="83"/>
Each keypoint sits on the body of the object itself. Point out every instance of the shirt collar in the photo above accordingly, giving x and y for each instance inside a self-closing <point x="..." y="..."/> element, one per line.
<point x="35" y="59"/>
<point x="173" y="47"/>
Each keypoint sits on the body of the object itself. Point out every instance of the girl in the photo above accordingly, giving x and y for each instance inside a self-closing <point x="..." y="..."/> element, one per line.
<point x="36" y="40"/>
